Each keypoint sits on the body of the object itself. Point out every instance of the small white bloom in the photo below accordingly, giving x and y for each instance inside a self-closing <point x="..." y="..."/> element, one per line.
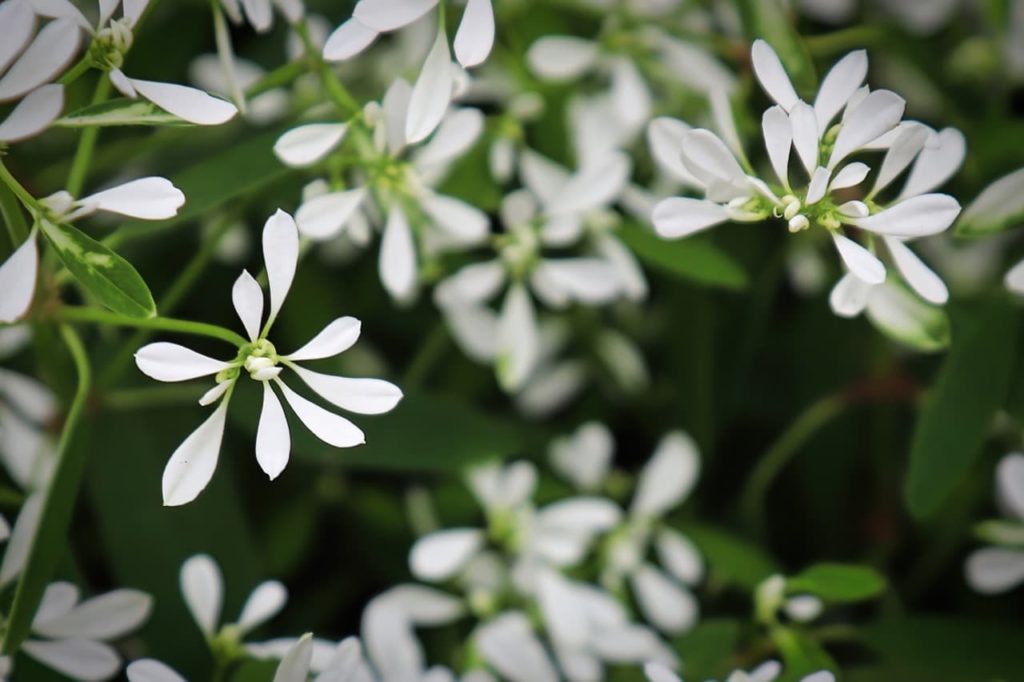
<point x="994" y="570"/>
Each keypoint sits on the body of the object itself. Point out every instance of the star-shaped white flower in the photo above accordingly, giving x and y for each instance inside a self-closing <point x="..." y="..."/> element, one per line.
<point x="192" y="465"/>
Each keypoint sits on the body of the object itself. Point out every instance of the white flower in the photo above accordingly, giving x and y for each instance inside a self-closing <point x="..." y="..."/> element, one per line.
<point x="869" y="121"/>
<point x="509" y="644"/>
<point x="260" y="13"/>
<point x="113" y="38"/>
<point x="192" y="464"/>
<point x="71" y="637"/>
<point x="766" y="672"/>
<point x="998" y="569"/>
<point x="209" y="73"/>
<point x="150" y="198"/>
<point x="549" y="216"/>
<point x="473" y="39"/>
<point x="28" y="61"/>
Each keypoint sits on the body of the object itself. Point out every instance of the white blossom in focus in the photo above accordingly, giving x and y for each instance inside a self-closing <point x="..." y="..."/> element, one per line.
<point x="192" y="465"/>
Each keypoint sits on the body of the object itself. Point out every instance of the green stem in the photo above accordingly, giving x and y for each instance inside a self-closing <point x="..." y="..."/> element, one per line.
<point x="76" y="71"/>
<point x="843" y="40"/>
<point x="50" y="538"/>
<point x="87" y="143"/>
<point x="23" y="194"/>
<point x="339" y="95"/>
<point x="167" y="303"/>
<point x="227" y="54"/>
<point x="429" y="353"/>
<point x="99" y="316"/>
<point x="279" y="77"/>
<point x="17" y="228"/>
<point x="782" y="451"/>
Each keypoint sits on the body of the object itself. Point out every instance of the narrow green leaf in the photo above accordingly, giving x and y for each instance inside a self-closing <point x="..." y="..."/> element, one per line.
<point x="951" y="429"/>
<point x="906" y="319"/>
<point x="732" y="560"/>
<point x="108" y="276"/>
<point x="768" y="20"/>
<point x="999" y="206"/>
<point x="120" y="112"/>
<point x="838" y="582"/>
<point x="693" y="258"/>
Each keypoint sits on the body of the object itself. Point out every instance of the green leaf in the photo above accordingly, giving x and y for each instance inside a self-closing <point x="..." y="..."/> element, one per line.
<point x="693" y="258"/>
<point x="768" y="20"/>
<point x="707" y="649"/>
<point x="120" y="112"/>
<point x="951" y="429"/>
<point x="425" y="433"/>
<point x="238" y="171"/>
<point x="937" y="649"/>
<point x="838" y="582"/>
<point x="998" y="207"/>
<point x="107" y="276"/>
<point x="732" y="560"/>
<point x="906" y="319"/>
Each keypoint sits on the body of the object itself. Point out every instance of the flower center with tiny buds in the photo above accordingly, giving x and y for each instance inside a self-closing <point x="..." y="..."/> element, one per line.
<point x="111" y="44"/>
<point x="261" y="361"/>
<point x="519" y="248"/>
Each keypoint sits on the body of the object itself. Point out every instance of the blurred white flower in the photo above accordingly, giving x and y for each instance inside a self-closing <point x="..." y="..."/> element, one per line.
<point x="192" y="465"/>
<point x="70" y="636"/>
<point x="150" y="198"/>
<point x="998" y="569"/>
<point x="112" y="39"/>
<point x="766" y="672"/>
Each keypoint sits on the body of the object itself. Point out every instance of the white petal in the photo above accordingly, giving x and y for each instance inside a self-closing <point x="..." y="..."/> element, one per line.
<point x="388" y="15"/>
<point x="509" y="644"/>
<point x="331" y="428"/>
<point x="994" y="570"/>
<point x="18" y="280"/>
<point x="849" y="296"/>
<point x="710" y="160"/>
<point x="79" y="659"/>
<point x="581" y="514"/>
<point x="432" y="92"/>
<point x="805" y="134"/>
<point x="1014" y="278"/>
<point x="918" y="216"/>
<point x="804" y="608"/>
<point x="33" y="114"/>
<point x="247" y="297"/>
<point x="880" y="111"/>
<point x="325" y="216"/>
<point x="52" y="49"/>
<point x="151" y="670"/>
<point x="214" y="394"/>
<point x="472" y="284"/>
<point x="281" y="256"/>
<point x="259" y="14"/>
<point x="665" y="140"/>
<point x="819" y="185"/>
<point x="850" y="175"/>
<point x="561" y="57"/>
<point x="165" y="361"/>
<point x="458" y="219"/>
<point x="838" y="87"/>
<point x="348" y="40"/>
<point x="398" y="270"/>
<point x="656" y="672"/>
<point x="631" y="278"/>
<point x="122" y="83"/>
<point x="149" y="198"/>
<point x="363" y="396"/>
<point x="772" y="75"/>
<point x="630" y="94"/>
<point x="105" y="617"/>
<point x="424" y="605"/>
<point x="440" y="555"/>
<point x="668" y="476"/>
<point x="189" y="104"/>
<point x="192" y="465"/>
<point x="908" y="143"/>
<point x="564" y="619"/>
<point x="584" y="458"/>
<point x="683" y="216"/>
<point x="58" y="600"/>
<point x="1000" y="201"/>
<point x="665" y="604"/>
<point x="334" y="339"/>
<point x="396" y="112"/>
<point x="17" y="24"/>
<point x="1010" y="484"/>
<point x="294" y="667"/>
<point x="861" y="262"/>
<point x="390" y="641"/>
<point x="592" y="187"/>
<point x="22" y="535"/>
<point x="778" y="139"/>
<point x="587" y="280"/>
<point x="475" y="330"/>
<point x="518" y="339"/>
<point x="202" y="586"/>
<point x="265" y="602"/>
<point x="679" y="556"/>
<point x="273" y="441"/>
<point x="305" y="145"/>
<point x="456" y="134"/>
<point x="918" y="275"/>
<point x="475" y="37"/>
<point x="936" y="163"/>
